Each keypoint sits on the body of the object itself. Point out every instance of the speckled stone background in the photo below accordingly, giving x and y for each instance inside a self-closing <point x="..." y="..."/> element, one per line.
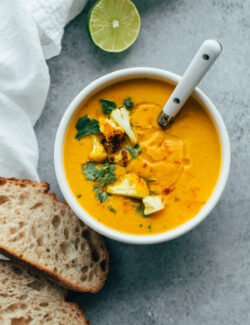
<point x="204" y="276"/>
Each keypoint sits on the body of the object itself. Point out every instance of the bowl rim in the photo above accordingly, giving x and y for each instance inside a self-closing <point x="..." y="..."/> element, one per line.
<point x="102" y="82"/>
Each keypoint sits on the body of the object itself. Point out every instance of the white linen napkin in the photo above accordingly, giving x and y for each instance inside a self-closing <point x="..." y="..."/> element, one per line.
<point x="30" y="32"/>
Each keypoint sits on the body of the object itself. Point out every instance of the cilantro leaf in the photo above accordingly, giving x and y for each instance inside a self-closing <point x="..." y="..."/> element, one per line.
<point x="149" y="180"/>
<point x="128" y="103"/>
<point x="90" y="171"/>
<point x="134" y="150"/>
<point x="140" y="210"/>
<point x="102" y="177"/>
<point x="86" y="126"/>
<point x="102" y="196"/>
<point x="107" y="106"/>
<point x="111" y="209"/>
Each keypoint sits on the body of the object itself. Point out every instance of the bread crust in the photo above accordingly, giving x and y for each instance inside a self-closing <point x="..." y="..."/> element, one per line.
<point x="24" y="182"/>
<point x="78" y="310"/>
<point x="19" y="258"/>
<point x="73" y="305"/>
<point x="54" y="277"/>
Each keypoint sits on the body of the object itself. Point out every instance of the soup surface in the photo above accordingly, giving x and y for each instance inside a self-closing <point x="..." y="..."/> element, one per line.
<point x="180" y="165"/>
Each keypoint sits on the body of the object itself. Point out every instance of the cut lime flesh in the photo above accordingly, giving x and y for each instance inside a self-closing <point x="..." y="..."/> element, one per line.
<point x="114" y="25"/>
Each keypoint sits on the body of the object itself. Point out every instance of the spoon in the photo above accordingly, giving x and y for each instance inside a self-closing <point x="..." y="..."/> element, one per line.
<point x="201" y="63"/>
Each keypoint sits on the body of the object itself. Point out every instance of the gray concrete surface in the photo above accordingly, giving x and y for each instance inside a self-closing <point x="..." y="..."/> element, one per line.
<point x="204" y="276"/>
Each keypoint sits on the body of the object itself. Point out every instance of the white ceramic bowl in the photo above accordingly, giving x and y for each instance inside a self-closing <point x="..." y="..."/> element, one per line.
<point x="89" y="91"/>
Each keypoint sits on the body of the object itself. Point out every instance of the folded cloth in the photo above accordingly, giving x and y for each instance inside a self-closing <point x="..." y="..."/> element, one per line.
<point x="30" y="32"/>
<point x="50" y="17"/>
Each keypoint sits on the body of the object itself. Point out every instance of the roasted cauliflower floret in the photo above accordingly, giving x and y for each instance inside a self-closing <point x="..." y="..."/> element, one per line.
<point x="130" y="185"/>
<point x="152" y="204"/>
<point x="98" y="152"/>
<point x="121" y="117"/>
<point x="122" y="158"/>
<point x="113" y="134"/>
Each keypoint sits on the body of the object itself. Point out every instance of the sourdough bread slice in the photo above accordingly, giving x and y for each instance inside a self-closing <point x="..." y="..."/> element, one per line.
<point x="28" y="299"/>
<point x="38" y="229"/>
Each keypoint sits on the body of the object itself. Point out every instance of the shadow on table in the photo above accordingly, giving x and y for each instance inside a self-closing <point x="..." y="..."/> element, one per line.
<point x="103" y="59"/>
<point x="137" y="271"/>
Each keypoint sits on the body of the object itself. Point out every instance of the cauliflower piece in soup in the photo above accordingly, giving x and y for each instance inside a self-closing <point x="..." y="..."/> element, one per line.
<point x="98" y="153"/>
<point x="121" y="117"/>
<point x="113" y="134"/>
<point x="122" y="158"/>
<point x="152" y="204"/>
<point x="130" y="185"/>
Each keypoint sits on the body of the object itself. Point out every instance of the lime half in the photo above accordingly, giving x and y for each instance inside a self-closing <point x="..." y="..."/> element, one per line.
<point x="114" y="24"/>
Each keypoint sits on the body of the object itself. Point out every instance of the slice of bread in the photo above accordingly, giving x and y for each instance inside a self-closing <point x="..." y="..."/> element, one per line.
<point x="38" y="229"/>
<point x="28" y="299"/>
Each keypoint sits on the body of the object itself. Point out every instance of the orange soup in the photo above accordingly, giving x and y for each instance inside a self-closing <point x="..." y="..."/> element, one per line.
<point x="148" y="181"/>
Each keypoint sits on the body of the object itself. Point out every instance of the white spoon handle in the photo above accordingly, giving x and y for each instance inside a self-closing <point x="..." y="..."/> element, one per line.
<point x="202" y="61"/>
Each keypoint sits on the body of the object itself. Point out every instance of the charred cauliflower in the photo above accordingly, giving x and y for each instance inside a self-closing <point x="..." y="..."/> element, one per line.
<point x="121" y="117"/>
<point x="122" y="158"/>
<point x="113" y="134"/>
<point x="130" y="185"/>
<point x="98" y="152"/>
<point x="152" y="204"/>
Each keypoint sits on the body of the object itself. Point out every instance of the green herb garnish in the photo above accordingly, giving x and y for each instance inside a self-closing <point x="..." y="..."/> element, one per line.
<point x="90" y="171"/>
<point x="149" y="180"/>
<point x="140" y="225"/>
<point x="128" y="103"/>
<point x="79" y="195"/>
<point x="107" y="106"/>
<point x="86" y="126"/>
<point x="101" y="195"/>
<point x="134" y="150"/>
<point x="149" y="227"/>
<point x="111" y="209"/>
<point x="140" y="210"/>
<point x="102" y="177"/>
